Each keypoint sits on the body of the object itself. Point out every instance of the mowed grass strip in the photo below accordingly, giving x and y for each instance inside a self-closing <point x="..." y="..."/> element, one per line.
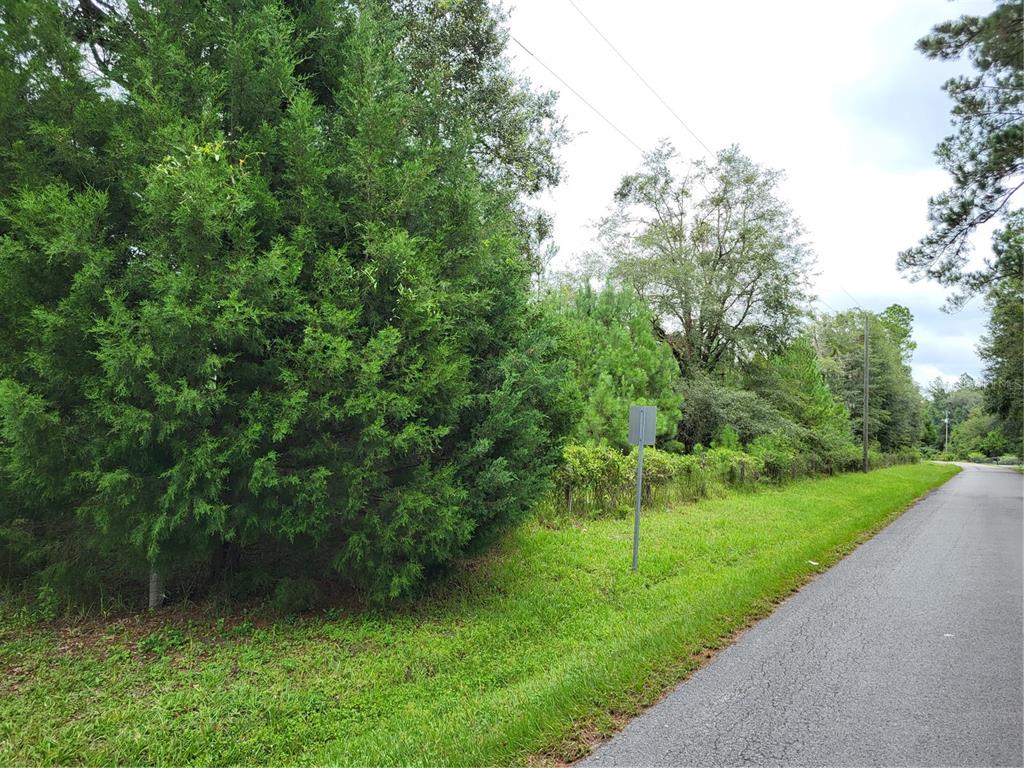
<point x="528" y="653"/>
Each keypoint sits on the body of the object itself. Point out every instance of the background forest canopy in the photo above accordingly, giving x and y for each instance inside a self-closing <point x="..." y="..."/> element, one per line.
<point x="274" y="312"/>
<point x="697" y="301"/>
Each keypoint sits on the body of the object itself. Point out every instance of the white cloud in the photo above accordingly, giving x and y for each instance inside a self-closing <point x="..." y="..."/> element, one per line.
<point x="834" y="95"/>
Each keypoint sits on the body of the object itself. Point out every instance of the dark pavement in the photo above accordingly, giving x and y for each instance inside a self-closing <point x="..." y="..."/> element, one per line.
<point x="908" y="652"/>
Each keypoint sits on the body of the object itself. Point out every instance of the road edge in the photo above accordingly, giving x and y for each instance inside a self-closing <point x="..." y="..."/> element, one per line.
<point x="588" y="735"/>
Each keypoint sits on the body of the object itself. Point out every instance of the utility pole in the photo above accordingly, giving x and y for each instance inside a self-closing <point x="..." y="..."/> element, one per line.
<point x="945" y="448"/>
<point x="864" y="420"/>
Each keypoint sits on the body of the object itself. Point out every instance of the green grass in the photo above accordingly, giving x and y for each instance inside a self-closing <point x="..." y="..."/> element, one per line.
<point x="528" y="653"/>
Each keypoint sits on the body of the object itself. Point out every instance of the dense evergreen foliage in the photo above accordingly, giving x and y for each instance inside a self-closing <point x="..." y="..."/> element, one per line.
<point x="618" y="361"/>
<point x="955" y="402"/>
<point x="977" y="430"/>
<point x="895" y="408"/>
<point x="985" y="156"/>
<point x="783" y="397"/>
<point x="263" y="297"/>
<point x="1002" y="348"/>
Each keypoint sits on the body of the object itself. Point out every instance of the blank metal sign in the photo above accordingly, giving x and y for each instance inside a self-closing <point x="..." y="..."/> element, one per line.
<point x="643" y="421"/>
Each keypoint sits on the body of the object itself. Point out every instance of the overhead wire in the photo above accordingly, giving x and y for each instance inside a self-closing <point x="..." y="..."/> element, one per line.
<point x="578" y="95"/>
<point x="822" y="301"/>
<point x="854" y="300"/>
<point x="641" y="78"/>
<point x="856" y="303"/>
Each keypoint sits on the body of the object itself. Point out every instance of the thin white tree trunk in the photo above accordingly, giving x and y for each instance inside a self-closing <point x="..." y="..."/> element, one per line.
<point x="156" y="589"/>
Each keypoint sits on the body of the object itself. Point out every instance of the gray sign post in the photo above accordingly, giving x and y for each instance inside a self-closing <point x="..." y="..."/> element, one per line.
<point x="643" y="421"/>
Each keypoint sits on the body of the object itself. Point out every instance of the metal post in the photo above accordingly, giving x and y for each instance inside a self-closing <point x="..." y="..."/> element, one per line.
<point x="639" y="494"/>
<point x="945" y="448"/>
<point x="643" y="422"/>
<point x="864" y="421"/>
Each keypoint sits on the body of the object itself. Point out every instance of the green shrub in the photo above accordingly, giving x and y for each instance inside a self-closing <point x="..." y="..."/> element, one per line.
<point x="777" y="454"/>
<point x="596" y="480"/>
<point x="727" y="437"/>
<point x="295" y="595"/>
<point x="593" y="476"/>
<point x="269" y="295"/>
<point x="162" y="641"/>
<point x="47" y="603"/>
<point x="710" y="406"/>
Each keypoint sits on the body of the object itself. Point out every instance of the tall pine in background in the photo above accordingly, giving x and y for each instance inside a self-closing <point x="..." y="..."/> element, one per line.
<point x="264" y="289"/>
<point x="609" y="336"/>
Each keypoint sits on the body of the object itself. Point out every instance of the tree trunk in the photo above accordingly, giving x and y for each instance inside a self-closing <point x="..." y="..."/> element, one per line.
<point x="156" y="589"/>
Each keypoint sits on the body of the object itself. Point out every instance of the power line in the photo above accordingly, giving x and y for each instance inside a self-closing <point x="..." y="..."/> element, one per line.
<point x="856" y="303"/>
<point x="641" y="78"/>
<point x="822" y="301"/>
<point x="578" y="95"/>
<point x="854" y="300"/>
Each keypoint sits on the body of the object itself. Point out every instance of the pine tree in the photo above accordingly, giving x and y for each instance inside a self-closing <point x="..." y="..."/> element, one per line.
<point x="609" y="336"/>
<point x="985" y="156"/>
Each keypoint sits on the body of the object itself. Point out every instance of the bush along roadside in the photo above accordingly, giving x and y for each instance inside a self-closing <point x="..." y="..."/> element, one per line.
<point x="599" y="481"/>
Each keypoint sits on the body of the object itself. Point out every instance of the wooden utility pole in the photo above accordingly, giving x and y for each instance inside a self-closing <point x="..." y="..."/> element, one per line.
<point x="864" y="420"/>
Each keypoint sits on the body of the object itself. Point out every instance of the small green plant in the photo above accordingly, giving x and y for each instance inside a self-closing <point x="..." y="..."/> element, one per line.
<point x="119" y="654"/>
<point x="727" y="437"/>
<point x="240" y="630"/>
<point x="47" y="603"/>
<point x="162" y="641"/>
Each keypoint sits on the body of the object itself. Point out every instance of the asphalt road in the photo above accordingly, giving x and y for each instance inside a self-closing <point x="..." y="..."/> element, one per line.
<point x="908" y="652"/>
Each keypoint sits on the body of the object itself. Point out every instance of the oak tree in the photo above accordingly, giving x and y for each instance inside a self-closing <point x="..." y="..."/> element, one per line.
<point x="715" y="252"/>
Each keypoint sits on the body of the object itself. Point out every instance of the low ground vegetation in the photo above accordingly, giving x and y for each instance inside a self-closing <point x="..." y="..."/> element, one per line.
<point x="535" y="648"/>
<point x="599" y="481"/>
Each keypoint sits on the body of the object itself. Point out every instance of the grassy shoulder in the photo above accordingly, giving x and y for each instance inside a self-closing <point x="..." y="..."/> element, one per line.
<point x="535" y="649"/>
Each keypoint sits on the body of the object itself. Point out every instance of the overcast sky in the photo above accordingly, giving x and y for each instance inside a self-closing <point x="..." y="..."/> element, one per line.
<point x="833" y="94"/>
